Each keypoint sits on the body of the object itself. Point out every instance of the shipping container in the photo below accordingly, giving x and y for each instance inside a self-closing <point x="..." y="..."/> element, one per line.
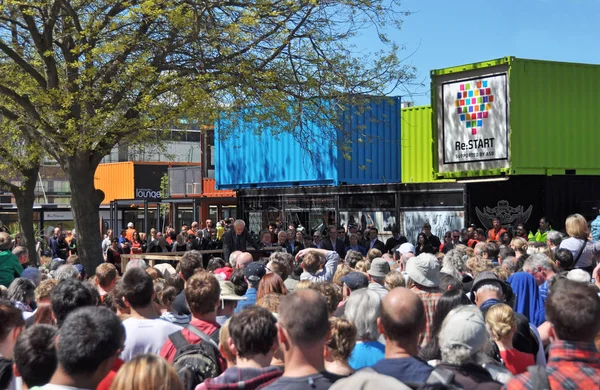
<point x="209" y="190"/>
<point x="116" y="180"/>
<point x="249" y="158"/>
<point x="515" y="116"/>
<point x="417" y="145"/>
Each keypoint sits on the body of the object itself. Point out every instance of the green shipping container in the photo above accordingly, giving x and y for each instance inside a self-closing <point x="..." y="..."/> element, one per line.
<point x="514" y="116"/>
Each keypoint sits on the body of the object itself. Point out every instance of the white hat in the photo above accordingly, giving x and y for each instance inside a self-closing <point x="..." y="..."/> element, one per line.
<point x="405" y="248"/>
<point x="465" y="327"/>
<point x="579" y="275"/>
<point x="130" y="225"/>
<point x="424" y="270"/>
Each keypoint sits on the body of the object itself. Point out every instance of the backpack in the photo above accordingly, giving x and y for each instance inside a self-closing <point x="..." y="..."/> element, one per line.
<point x="195" y="363"/>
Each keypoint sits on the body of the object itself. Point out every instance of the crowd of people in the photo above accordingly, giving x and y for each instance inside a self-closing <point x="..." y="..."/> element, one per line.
<point x="476" y="310"/>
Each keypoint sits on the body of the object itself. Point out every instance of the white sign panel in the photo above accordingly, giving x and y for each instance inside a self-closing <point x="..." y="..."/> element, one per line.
<point x="58" y="216"/>
<point x="440" y="221"/>
<point x="475" y="121"/>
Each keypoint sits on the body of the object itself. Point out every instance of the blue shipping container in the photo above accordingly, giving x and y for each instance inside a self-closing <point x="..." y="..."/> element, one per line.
<point x="247" y="158"/>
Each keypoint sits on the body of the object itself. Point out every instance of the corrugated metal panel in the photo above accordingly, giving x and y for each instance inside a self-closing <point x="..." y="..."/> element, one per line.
<point x="115" y="180"/>
<point x="417" y="145"/>
<point x="209" y="189"/>
<point x="247" y="159"/>
<point x="375" y="133"/>
<point x="554" y="117"/>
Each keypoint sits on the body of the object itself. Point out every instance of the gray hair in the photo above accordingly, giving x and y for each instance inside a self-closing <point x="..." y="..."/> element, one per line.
<point x="22" y="290"/>
<point x="353" y="257"/>
<point x="239" y="222"/>
<point x="455" y="259"/>
<point x="67" y="271"/>
<point x="554" y="237"/>
<point x="449" y="270"/>
<point x="233" y="258"/>
<point x="283" y="258"/>
<point x="510" y="263"/>
<point x="489" y="287"/>
<point x="137" y="263"/>
<point x="538" y="260"/>
<point x="363" y="307"/>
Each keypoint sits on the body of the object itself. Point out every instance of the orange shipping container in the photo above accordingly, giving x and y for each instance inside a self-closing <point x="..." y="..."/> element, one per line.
<point x="209" y="189"/>
<point x="116" y="180"/>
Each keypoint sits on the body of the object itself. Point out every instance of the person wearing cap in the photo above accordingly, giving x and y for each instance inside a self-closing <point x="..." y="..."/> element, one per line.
<point x="401" y="321"/>
<point x="352" y="282"/>
<point x="423" y="272"/>
<point x="377" y="273"/>
<point x="253" y="273"/>
<point x="10" y="268"/>
<point x="462" y="336"/>
<point x="129" y="232"/>
<point x="395" y="240"/>
<point x="229" y="301"/>
<point x="433" y="240"/>
<point x="488" y="290"/>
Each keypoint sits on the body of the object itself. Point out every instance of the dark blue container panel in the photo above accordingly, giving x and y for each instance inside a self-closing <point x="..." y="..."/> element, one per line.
<point x="246" y="159"/>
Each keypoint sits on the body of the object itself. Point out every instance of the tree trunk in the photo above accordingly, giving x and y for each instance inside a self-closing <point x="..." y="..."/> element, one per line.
<point x="85" y="204"/>
<point x="25" y="199"/>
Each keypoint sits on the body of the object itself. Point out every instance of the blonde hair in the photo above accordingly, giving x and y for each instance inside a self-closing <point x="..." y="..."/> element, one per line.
<point x="373" y="253"/>
<point x="146" y="372"/>
<point x="342" y="339"/>
<point x="342" y="270"/>
<point x="393" y="280"/>
<point x="478" y="264"/>
<point x="501" y="320"/>
<point x="576" y="226"/>
<point x="303" y="284"/>
<point x="502" y="273"/>
<point x="363" y="266"/>
<point x="224" y="342"/>
<point x="519" y="244"/>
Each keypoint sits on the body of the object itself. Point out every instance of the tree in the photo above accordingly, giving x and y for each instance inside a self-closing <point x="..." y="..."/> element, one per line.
<point x="20" y="159"/>
<point x="81" y="75"/>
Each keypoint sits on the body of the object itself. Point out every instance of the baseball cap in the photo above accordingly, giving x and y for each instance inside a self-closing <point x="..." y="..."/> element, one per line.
<point x="254" y="271"/>
<point x="464" y="326"/>
<point x="228" y="292"/>
<point x="379" y="268"/>
<point x="355" y="280"/>
<point x="405" y="248"/>
<point x="130" y="225"/>
<point x="224" y="272"/>
<point x="424" y="270"/>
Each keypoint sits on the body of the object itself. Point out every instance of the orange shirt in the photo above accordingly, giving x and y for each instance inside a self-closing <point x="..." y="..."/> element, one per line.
<point x="129" y="234"/>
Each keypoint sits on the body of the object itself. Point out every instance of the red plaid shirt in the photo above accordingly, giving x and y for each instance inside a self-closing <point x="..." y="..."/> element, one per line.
<point x="571" y="365"/>
<point x="430" y="298"/>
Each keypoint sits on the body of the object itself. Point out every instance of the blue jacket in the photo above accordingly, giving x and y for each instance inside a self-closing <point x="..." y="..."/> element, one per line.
<point x="596" y="229"/>
<point x="251" y="295"/>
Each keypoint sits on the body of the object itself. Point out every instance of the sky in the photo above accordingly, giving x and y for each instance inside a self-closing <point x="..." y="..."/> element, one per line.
<point x="440" y="34"/>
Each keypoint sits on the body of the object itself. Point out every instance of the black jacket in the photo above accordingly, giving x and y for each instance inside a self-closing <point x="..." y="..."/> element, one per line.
<point x="233" y="242"/>
<point x="340" y="248"/>
<point x="393" y="242"/>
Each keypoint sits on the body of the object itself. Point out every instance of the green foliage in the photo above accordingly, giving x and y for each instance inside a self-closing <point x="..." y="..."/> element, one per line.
<point x="81" y="75"/>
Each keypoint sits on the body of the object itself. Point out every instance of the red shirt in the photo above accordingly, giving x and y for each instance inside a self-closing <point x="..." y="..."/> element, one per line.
<point x="168" y="350"/>
<point x="517" y="361"/>
<point x="571" y="365"/>
<point x="108" y="379"/>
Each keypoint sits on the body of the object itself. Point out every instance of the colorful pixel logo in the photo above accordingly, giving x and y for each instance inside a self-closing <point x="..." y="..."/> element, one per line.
<point x="473" y="103"/>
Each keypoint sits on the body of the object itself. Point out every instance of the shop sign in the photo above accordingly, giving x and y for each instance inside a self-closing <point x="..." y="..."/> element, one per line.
<point x="474" y="123"/>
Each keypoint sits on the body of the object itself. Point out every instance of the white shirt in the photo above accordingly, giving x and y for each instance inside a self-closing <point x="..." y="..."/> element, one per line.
<point x="145" y="336"/>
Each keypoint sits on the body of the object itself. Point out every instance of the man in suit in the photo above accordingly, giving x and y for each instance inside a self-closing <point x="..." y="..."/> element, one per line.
<point x="236" y="239"/>
<point x="395" y="240"/>
<point x="333" y="243"/>
<point x="293" y="246"/>
<point x="374" y="242"/>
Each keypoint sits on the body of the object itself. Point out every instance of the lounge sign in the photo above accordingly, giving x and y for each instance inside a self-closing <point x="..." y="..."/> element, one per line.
<point x="474" y="123"/>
